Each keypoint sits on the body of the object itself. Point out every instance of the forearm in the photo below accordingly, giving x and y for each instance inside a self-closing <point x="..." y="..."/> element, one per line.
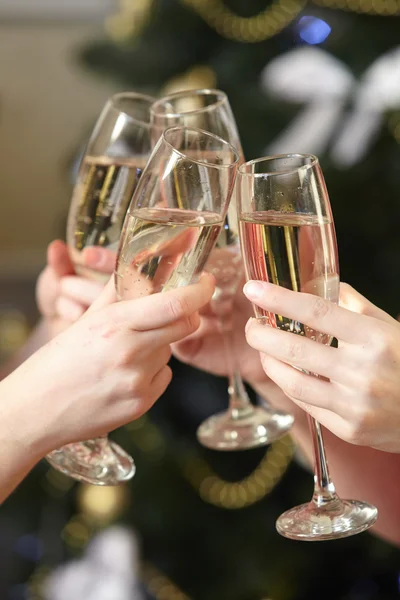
<point x="19" y="444"/>
<point x="41" y="334"/>
<point x="358" y="472"/>
<point x="16" y="463"/>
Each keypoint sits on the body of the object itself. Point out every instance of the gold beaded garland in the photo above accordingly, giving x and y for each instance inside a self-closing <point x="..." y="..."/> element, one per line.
<point x="215" y="490"/>
<point x="240" y="494"/>
<point x="134" y="15"/>
<point x="266" y="24"/>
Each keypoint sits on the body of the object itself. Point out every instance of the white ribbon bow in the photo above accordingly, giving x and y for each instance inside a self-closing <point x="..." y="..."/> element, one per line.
<point x="314" y="77"/>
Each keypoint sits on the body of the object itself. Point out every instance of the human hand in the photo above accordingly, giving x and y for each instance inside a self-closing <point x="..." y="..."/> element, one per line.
<point x="106" y="369"/>
<point x="357" y="394"/>
<point x="62" y="297"/>
<point x="206" y="349"/>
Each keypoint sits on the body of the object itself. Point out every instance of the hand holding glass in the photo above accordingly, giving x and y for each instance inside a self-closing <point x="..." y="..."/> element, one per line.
<point x="288" y="238"/>
<point x="110" y="170"/>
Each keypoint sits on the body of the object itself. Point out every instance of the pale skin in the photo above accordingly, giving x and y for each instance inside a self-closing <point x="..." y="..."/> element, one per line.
<point x="359" y="406"/>
<point x="106" y="369"/>
<point x="364" y="370"/>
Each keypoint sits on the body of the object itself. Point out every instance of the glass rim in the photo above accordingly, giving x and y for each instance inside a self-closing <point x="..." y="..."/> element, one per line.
<point x="235" y="153"/>
<point x="196" y="92"/>
<point x="314" y="162"/>
<point x="114" y="99"/>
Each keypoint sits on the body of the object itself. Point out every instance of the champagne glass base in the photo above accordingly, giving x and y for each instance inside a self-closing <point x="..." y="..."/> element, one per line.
<point x="249" y="429"/>
<point x="94" y="462"/>
<point x="311" y="523"/>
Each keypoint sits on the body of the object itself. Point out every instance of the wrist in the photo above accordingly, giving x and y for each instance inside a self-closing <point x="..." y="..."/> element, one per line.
<point x="23" y="425"/>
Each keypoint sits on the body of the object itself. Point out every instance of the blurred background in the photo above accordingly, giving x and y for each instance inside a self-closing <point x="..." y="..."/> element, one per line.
<point x="321" y="77"/>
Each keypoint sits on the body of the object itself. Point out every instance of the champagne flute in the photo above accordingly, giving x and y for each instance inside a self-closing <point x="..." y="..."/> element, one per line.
<point x="243" y="425"/>
<point x="203" y="109"/>
<point x="110" y="169"/>
<point x="288" y="238"/>
<point x="176" y="213"/>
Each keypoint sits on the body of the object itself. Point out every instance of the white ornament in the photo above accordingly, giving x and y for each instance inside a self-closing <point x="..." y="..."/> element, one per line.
<point x="378" y="91"/>
<point x="115" y="549"/>
<point x="107" y="571"/>
<point x="311" y="76"/>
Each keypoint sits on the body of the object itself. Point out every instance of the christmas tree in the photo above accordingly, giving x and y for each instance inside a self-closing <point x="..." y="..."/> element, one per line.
<point x="321" y="77"/>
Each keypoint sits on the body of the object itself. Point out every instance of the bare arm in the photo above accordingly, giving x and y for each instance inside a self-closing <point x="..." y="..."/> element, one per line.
<point x="19" y="442"/>
<point x="39" y="336"/>
<point x="105" y="370"/>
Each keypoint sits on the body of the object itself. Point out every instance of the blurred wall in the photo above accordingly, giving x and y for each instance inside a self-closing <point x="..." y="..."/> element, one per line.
<point x="47" y="105"/>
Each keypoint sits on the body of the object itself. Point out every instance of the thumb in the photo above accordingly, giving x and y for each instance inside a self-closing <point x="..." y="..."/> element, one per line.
<point x="108" y="296"/>
<point x="59" y="260"/>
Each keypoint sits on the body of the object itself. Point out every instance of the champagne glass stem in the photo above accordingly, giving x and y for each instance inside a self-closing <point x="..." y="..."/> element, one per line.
<point x="243" y="425"/>
<point x="324" y="490"/>
<point x="239" y="401"/>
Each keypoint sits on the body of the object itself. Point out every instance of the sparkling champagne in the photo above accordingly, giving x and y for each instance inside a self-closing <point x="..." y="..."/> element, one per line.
<point x="163" y="249"/>
<point x="225" y="263"/>
<point x="99" y="204"/>
<point x="295" y="251"/>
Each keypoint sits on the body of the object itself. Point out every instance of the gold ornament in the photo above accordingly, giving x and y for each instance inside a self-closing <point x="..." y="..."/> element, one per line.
<point x="130" y="21"/>
<point x="199" y="77"/>
<point x="102" y="505"/>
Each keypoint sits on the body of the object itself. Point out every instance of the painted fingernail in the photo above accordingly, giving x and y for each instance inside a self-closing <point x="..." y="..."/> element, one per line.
<point x="253" y="290"/>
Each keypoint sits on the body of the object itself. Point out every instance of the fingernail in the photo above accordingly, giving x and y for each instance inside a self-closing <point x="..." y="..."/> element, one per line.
<point x="248" y="324"/>
<point x="253" y="290"/>
<point x="94" y="256"/>
<point x="209" y="276"/>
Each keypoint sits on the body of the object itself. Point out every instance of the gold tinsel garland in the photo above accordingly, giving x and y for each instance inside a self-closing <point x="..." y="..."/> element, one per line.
<point x="134" y="15"/>
<point x="383" y="8"/>
<point x="277" y="15"/>
<point x="240" y="494"/>
<point x="266" y="24"/>
<point x="204" y="480"/>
